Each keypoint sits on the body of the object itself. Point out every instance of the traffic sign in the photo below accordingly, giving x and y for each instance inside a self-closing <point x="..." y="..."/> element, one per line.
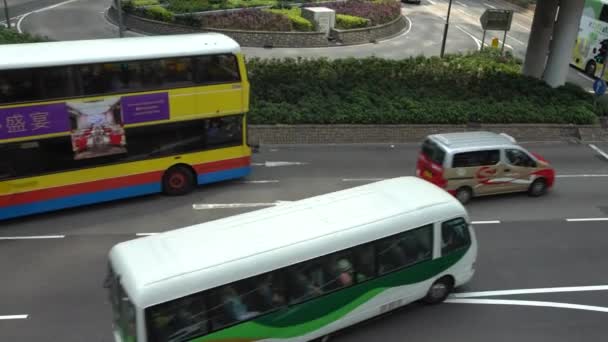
<point x="599" y="86"/>
<point x="496" y="19"/>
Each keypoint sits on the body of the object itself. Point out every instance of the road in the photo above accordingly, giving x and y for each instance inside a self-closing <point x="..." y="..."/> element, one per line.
<point x="55" y="276"/>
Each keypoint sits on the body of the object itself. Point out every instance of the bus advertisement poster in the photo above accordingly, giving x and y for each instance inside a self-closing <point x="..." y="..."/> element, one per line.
<point x="18" y="122"/>
<point x="97" y="128"/>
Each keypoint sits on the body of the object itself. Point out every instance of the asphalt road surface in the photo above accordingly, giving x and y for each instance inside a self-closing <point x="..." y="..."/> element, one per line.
<point x="54" y="277"/>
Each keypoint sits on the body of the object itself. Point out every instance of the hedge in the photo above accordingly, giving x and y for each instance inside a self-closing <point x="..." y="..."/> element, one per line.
<point x="10" y="36"/>
<point x="347" y="22"/>
<point x="479" y="87"/>
<point x="295" y="16"/>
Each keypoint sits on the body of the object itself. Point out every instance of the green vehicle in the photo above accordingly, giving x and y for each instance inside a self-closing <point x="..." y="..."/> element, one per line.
<point x="298" y="271"/>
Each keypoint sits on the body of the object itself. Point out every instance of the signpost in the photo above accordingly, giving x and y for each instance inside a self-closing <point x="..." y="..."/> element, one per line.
<point x="121" y="28"/>
<point x="445" y="29"/>
<point x="8" y="17"/>
<point x="599" y="86"/>
<point x="496" y="20"/>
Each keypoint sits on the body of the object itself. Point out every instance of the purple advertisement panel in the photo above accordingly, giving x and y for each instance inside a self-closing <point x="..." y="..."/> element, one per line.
<point x="143" y="108"/>
<point x="33" y="120"/>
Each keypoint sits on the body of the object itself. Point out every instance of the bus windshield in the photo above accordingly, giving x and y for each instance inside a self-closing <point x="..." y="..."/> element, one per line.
<point x="123" y="311"/>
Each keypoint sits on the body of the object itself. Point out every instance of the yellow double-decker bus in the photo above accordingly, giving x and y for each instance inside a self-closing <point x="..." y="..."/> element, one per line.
<point x="89" y="121"/>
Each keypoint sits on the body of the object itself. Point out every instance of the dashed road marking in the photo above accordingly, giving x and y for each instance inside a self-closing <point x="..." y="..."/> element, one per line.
<point x="599" y="151"/>
<point x="32" y="237"/>
<point x="13" y="317"/>
<point x="591" y="219"/>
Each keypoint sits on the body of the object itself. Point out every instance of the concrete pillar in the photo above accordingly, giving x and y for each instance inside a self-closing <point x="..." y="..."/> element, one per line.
<point x="540" y="37"/>
<point x="564" y="37"/>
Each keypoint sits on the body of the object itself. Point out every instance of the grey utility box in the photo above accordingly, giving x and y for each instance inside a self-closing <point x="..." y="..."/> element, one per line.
<point x="322" y="18"/>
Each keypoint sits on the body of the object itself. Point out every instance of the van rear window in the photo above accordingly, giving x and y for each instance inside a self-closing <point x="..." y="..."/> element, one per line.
<point x="433" y="152"/>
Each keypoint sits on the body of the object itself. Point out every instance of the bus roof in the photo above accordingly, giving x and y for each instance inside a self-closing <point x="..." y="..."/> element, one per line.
<point x="176" y="263"/>
<point x="45" y="54"/>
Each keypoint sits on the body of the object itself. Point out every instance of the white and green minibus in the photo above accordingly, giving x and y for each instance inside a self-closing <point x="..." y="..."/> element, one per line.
<point x="298" y="271"/>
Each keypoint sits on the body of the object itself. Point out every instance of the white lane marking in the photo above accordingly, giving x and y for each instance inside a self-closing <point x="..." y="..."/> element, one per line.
<point x="528" y="303"/>
<point x="236" y="205"/>
<point x="475" y="39"/>
<point x="432" y="2"/>
<point x="23" y="16"/>
<point x="581" y="176"/>
<point x="488" y="5"/>
<point x="146" y="234"/>
<point x="520" y="25"/>
<point x="462" y="4"/>
<point x="260" y="181"/>
<point x="515" y="39"/>
<point x="530" y="291"/>
<point x="485" y="222"/>
<point x="32" y="237"/>
<point x="465" y="12"/>
<point x="278" y="163"/>
<point x="591" y="219"/>
<point x="587" y="77"/>
<point x="598" y="150"/>
<point x="13" y="317"/>
<point x="362" y="179"/>
<point x="273" y="149"/>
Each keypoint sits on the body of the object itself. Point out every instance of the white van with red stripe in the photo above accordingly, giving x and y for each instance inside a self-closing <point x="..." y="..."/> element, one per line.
<point x="471" y="164"/>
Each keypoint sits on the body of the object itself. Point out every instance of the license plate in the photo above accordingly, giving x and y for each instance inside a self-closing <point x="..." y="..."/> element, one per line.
<point x="427" y="174"/>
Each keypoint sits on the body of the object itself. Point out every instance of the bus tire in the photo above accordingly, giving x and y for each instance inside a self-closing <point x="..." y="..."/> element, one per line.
<point x="178" y="180"/>
<point x="464" y="194"/>
<point x="439" y="291"/>
<point x="590" y="68"/>
<point x="538" y="188"/>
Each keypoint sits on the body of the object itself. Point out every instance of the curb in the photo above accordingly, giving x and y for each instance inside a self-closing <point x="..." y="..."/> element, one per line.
<point x="403" y="134"/>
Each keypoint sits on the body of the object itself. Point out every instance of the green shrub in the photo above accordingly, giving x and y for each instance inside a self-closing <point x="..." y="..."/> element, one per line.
<point x="346" y="22"/>
<point x="454" y="90"/>
<point x="10" y="36"/>
<point x="159" y="13"/>
<point x="295" y="16"/>
<point x="140" y="3"/>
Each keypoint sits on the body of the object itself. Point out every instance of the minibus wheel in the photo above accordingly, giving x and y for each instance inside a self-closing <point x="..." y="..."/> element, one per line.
<point x="538" y="187"/>
<point x="439" y="291"/>
<point x="464" y="194"/>
<point x="178" y="180"/>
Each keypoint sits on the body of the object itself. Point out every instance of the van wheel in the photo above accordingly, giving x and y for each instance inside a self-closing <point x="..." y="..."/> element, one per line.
<point x="178" y="180"/>
<point x="464" y="194"/>
<point x="439" y="291"/>
<point x="538" y="188"/>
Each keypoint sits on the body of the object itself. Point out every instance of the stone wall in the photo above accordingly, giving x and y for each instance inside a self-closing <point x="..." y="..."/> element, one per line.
<point x="349" y="134"/>
<point x="265" y="38"/>
<point x="370" y="34"/>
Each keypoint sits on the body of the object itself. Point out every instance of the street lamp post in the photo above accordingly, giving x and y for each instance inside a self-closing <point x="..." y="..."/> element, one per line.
<point x="121" y="27"/>
<point x="8" y="17"/>
<point x="445" y="30"/>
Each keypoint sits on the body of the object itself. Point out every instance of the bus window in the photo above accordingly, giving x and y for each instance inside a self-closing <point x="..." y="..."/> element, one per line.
<point x="177" y="320"/>
<point x="405" y="249"/>
<point x="365" y="262"/>
<point x="246" y="299"/>
<point x="454" y="235"/>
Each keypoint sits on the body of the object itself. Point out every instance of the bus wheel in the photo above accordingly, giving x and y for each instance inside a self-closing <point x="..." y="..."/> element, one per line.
<point x="464" y="194"/>
<point x="178" y="180"/>
<point x="439" y="291"/>
<point x="538" y="188"/>
<point x="590" y="68"/>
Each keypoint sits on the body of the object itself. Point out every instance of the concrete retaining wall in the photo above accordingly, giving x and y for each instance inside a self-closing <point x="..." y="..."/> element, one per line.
<point x="349" y="134"/>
